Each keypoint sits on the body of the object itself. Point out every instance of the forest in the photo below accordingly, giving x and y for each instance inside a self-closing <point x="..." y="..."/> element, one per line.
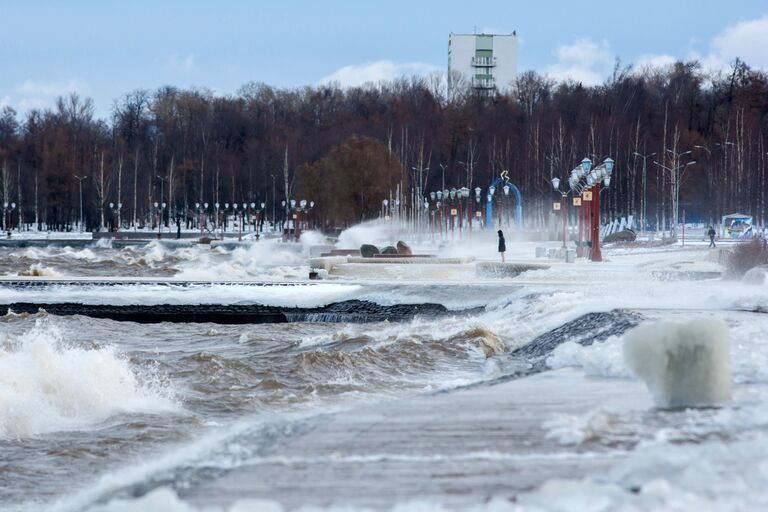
<point x="348" y="149"/>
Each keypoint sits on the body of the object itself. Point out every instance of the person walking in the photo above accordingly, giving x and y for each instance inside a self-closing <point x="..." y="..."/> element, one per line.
<point x="711" y="234"/>
<point x="502" y="245"/>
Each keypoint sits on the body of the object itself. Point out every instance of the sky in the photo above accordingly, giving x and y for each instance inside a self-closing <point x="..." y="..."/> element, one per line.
<point x="105" y="49"/>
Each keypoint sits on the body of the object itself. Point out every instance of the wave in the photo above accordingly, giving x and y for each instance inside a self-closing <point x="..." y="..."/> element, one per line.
<point x="47" y="384"/>
<point x="39" y="270"/>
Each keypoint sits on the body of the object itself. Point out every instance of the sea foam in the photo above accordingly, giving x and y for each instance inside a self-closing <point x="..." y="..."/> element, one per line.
<point x="48" y="385"/>
<point x="683" y="364"/>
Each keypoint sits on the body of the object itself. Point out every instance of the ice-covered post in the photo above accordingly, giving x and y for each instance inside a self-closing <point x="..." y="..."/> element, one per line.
<point x="682" y="364"/>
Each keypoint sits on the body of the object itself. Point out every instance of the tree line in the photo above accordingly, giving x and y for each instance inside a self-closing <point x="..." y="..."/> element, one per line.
<point x="347" y="149"/>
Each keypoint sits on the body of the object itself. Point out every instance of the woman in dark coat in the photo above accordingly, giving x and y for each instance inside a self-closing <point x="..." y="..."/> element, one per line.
<point x="502" y="245"/>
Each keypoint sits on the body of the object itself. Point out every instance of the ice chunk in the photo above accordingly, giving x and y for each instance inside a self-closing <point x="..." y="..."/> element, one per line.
<point x="683" y="364"/>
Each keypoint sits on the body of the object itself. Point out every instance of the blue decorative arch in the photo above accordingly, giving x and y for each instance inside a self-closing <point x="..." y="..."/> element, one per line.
<point x="498" y="183"/>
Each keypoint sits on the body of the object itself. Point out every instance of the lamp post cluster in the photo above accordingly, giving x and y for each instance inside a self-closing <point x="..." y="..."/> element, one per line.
<point x="159" y="208"/>
<point x="115" y="209"/>
<point x="298" y="212"/>
<point x="491" y="196"/>
<point x="7" y="209"/>
<point x="446" y="210"/>
<point x="586" y="182"/>
<point x="241" y="212"/>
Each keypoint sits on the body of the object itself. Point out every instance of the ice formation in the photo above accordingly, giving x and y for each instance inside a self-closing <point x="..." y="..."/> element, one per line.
<point x="683" y="364"/>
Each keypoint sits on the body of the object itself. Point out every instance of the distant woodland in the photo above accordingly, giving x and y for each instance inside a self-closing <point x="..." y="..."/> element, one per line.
<point x="347" y="149"/>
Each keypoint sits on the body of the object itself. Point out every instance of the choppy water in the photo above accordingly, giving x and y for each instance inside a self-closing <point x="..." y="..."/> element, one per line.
<point x="263" y="260"/>
<point x="95" y="409"/>
<point x="80" y="396"/>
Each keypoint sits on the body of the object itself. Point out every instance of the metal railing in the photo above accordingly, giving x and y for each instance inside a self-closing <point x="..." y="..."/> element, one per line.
<point x="483" y="61"/>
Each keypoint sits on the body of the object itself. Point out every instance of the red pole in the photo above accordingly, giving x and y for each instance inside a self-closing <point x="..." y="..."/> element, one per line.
<point x="580" y="249"/>
<point x="461" y="218"/>
<point x="565" y="221"/>
<point x="469" y="216"/>
<point x="452" y="221"/>
<point x="597" y="255"/>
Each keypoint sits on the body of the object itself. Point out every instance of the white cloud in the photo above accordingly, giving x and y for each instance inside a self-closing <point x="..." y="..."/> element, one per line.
<point x="746" y="40"/>
<point x="177" y="64"/>
<point x="35" y="88"/>
<point x="32" y="94"/>
<point x="653" y="61"/>
<point x="590" y="62"/>
<point x="584" y="61"/>
<point x="376" y="71"/>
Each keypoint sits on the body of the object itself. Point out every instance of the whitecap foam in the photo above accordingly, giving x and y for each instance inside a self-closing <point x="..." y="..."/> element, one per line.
<point x="372" y="232"/>
<point x="48" y="385"/>
<point x="601" y="359"/>
<point x="39" y="270"/>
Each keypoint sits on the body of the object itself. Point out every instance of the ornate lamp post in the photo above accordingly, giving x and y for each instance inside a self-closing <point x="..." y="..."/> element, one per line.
<point x="80" y="184"/>
<point x="478" y="191"/>
<point x="491" y="194"/>
<point x="440" y="212"/>
<point x="599" y="177"/>
<point x="239" y="225"/>
<point x="563" y="208"/>
<point x="159" y="207"/>
<point x="8" y="208"/>
<point x="116" y="215"/>
<point x="462" y="194"/>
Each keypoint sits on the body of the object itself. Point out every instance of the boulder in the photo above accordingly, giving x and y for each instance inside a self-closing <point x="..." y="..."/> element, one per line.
<point x="404" y="249"/>
<point x="368" y="250"/>
<point x="626" y="235"/>
<point x="389" y="250"/>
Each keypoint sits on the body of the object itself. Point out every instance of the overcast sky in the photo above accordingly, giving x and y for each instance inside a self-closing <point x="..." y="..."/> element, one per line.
<point x="104" y="49"/>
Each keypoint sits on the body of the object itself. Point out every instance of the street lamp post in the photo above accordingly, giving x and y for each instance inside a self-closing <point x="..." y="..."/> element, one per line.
<point x="431" y="198"/>
<point x="452" y="211"/>
<point x="439" y="206"/>
<point x="643" y="206"/>
<point x="588" y="182"/>
<point x="80" y="183"/>
<point x="294" y="217"/>
<point x="7" y="209"/>
<point x="600" y="176"/>
<point x="116" y="215"/>
<point x="676" y="172"/>
<point x="464" y="198"/>
<point x="563" y="208"/>
<point x="489" y="198"/>
<point x="159" y="207"/>
<point x="162" y="186"/>
<point x="478" y="191"/>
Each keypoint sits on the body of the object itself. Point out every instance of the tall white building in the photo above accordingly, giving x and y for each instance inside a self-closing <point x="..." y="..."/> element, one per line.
<point x="487" y="62"/>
